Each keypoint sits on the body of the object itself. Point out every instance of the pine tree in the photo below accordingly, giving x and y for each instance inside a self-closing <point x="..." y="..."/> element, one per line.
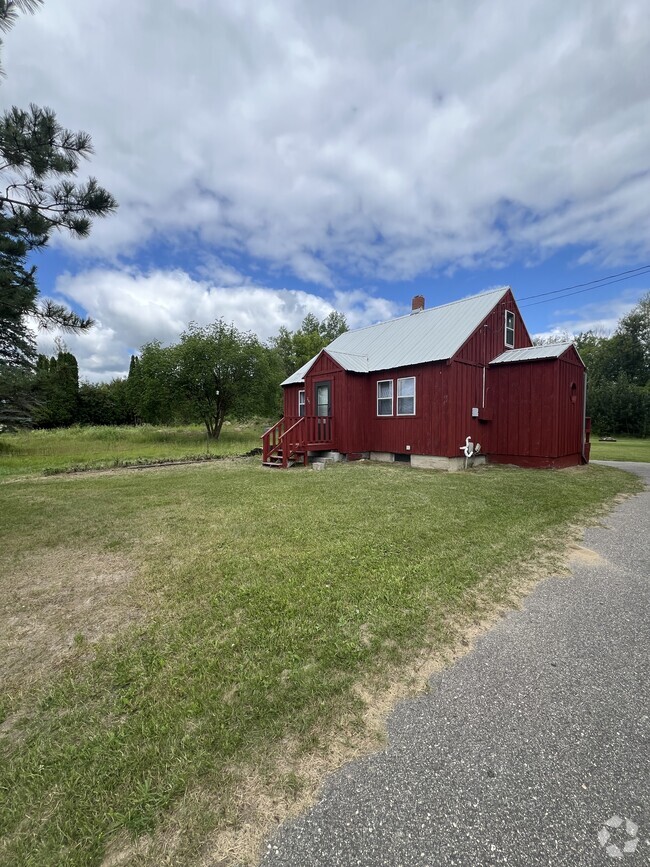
<point x="38" y="162"/>
<point x="134" y="390"/>
<point x="18" y="294"/>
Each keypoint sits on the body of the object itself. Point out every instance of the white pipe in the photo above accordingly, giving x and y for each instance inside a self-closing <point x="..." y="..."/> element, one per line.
<point x="467" y="449"/>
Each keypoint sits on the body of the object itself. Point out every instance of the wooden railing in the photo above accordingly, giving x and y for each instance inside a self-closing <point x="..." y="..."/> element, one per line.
<point x="319" y="431"/>
<point x="291" y="435"/>
<point x="271" y="438"/>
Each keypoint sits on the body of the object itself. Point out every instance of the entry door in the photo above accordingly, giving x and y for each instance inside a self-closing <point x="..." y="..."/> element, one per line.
<point x="323" y="399"/>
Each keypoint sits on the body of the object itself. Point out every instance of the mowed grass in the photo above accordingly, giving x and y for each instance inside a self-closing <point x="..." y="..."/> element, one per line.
<point x="41" y="450"/>
<point x="265" y="596"/>
<point x="624" y="449"/>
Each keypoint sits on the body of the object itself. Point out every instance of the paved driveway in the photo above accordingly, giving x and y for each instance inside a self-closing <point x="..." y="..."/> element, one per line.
<point x="534" y="749"/>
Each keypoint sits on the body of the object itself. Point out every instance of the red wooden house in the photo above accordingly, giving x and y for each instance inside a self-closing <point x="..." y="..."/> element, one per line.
<point x="414" y="388"/>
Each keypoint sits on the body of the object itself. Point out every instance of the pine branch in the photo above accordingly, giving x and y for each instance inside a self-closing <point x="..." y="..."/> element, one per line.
<point x="52" y="315"/>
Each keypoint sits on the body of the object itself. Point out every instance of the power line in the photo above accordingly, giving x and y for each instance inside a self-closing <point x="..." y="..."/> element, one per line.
<point x="593" y="284"/>
<point x="632" y="272"/>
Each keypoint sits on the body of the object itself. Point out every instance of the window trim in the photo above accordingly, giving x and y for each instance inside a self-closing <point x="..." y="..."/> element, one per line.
<point x="507" y="328"/>
<point x="391" y="398"/>
<point x="301" y="404"/>
<point x="404" y="379"/>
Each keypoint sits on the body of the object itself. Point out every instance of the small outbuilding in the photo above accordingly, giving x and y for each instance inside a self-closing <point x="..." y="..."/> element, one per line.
<point x="421" y="387"/>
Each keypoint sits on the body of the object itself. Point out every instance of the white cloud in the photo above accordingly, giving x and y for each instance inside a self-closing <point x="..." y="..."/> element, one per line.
<point x="132" y="308"/>
<point x="372" y="137"/>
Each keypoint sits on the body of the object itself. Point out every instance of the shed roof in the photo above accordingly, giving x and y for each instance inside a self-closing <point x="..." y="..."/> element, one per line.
<point x="531" y="353"/>
<point x="426" y="335"/>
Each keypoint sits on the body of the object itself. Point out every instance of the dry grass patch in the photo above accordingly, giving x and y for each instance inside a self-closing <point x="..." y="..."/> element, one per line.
<point x="52" y="603"/>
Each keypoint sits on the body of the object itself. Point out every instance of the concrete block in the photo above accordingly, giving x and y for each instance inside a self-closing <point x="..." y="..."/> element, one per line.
<point x="429" y="462"/>
<point x="386" y="457"/>
<point x="450" y="465"/>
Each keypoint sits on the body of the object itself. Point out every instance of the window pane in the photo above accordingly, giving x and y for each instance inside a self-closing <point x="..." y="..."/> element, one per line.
<point x="385" y="389"/>
<point x="406" y="387"/>
<point x="405" y="405"/>
<point x="385" y="406"/>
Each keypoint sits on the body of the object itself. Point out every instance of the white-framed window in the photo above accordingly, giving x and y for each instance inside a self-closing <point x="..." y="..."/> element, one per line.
<point x="509" y="339"/>
<point x="406" y="396"/>
<point x="301" y="402"/>
<point x="385" y="397"/>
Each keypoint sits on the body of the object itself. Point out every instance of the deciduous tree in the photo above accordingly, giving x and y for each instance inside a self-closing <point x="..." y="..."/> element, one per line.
<point x="296" y="348"/>
<point x="223" y="371"/>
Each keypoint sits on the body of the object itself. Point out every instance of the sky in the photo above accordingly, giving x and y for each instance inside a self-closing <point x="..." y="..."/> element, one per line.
<point x="273" y="158"/>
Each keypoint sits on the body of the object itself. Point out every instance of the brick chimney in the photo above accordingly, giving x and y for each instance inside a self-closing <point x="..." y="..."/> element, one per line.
<point x="417" y="303"/>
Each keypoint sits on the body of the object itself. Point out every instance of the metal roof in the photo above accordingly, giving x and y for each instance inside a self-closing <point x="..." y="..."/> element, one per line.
<point x="426" y="335"/>
<point x="551" y="350"/>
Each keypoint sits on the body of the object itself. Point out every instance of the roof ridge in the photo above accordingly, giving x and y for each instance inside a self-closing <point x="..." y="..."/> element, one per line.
<point x="502" y="289"/>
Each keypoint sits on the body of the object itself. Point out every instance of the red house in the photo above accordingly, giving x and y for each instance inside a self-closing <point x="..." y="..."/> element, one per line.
<point x="415" y="388"/>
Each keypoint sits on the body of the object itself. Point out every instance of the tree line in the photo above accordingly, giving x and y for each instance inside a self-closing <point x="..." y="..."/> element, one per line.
<point x="217" y="371"/>
<point x="618" y="371"/>
<point x="213" y="372"/>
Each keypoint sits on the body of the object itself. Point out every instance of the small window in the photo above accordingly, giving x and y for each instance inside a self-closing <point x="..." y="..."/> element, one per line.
<point x="385" y="397"/>
<point x="510" y="329"/>
<point x="323" y="402"/>
<point x="301" y="402"/>
<point x="406" y="396"/>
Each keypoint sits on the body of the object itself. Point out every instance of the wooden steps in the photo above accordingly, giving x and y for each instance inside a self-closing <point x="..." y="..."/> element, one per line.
<point x="275" y="460"/>
<point x="283" y="446"/>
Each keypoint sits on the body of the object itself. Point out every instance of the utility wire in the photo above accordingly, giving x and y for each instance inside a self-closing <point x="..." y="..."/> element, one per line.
<point x="592" y="284"/>
<point x="579" y="291"/>
<point x="633" y="272"/>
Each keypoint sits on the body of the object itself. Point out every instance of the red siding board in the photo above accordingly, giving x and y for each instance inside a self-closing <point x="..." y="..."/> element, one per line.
<point x="291" y="400"/>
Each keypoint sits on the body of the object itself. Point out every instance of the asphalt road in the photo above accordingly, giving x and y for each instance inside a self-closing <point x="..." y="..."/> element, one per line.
<point x="526" y="748"/>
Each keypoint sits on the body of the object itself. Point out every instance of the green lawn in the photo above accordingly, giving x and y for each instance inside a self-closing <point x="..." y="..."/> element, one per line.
<point x="624" y="449"/>
<point x="39" y="450"/>
<point x="159" y="630"/>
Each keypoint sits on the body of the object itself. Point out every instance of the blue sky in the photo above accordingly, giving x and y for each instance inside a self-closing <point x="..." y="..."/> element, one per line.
<point x="277" y="158"/>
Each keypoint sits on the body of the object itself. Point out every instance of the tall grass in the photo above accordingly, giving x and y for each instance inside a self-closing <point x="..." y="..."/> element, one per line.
<point x="42" y="450"/>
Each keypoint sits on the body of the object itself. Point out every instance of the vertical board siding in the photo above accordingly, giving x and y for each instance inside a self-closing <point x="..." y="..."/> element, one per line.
<point x="534" y="415"/>
<point x="525" y="401"/>
<point x="488" y="341"/>
<point x="465" y="393"/>
<point x="425" y="432"/>
<point x="570" y="425"/>
<point x="290" y="400"/>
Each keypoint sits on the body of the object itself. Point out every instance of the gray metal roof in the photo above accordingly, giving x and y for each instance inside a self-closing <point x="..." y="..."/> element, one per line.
<point x="427" y="335"/>
<point x="550" y="350"/>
